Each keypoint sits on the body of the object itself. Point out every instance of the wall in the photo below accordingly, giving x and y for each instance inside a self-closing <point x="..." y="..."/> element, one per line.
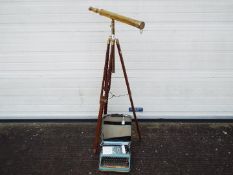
<point x="52" y="58"/>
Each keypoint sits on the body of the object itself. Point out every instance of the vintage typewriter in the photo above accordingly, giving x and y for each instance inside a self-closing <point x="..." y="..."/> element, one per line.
<point x="115" y="143"/>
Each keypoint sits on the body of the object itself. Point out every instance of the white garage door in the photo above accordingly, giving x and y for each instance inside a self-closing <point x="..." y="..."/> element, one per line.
<point x="52" y="57"/>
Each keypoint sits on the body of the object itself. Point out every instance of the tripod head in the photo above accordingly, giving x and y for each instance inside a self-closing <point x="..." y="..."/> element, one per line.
<point x="117" y="17"/>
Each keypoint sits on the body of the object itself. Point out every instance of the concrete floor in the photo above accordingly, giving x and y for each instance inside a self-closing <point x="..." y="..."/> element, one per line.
<point x="66" y="148"/>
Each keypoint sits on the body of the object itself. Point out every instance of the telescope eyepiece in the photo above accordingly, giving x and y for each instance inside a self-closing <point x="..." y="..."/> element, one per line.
<point x="93" y="9"/>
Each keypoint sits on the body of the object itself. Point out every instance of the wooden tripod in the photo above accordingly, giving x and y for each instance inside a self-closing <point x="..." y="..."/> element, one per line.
<point x="109" y="68"/>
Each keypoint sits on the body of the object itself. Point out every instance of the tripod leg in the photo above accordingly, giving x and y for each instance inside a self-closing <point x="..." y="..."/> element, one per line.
<point x="111" y="66"/>
<point x="113" y="55"/>
<point x="106" y="89"/>
<point x="105" y="68"/>
<point x="128" y="87"/>
<point x="102" y="103"/>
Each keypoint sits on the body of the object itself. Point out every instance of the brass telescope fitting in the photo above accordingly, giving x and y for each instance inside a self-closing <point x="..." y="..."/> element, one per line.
<point x="115" y="16"/>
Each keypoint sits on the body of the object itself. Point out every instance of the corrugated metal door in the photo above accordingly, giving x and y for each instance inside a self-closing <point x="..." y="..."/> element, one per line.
<point x="52" y="56"/>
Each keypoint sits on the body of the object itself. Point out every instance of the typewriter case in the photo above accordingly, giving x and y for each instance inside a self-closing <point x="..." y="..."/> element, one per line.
<point x="115" y="143"/>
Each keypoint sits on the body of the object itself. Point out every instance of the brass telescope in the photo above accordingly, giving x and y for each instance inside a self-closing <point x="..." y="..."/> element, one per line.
<point x="115" y="16"/>
<point x="109" y="68"/>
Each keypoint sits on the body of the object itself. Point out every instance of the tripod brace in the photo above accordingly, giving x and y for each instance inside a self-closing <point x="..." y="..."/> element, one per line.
<point x="109" y="68"/>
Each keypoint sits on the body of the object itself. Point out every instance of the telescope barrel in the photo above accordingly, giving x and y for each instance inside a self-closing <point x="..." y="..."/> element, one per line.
<point x="115" y="16"/>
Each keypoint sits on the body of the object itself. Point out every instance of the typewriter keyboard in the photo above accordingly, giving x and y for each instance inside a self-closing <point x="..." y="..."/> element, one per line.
<point x="115" y="162"/>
